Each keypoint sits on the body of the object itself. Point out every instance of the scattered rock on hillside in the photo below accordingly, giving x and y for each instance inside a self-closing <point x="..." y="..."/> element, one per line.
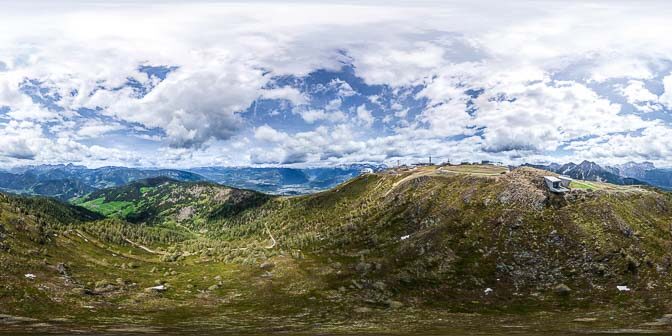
<point x="665" y="320"/>
<point x="267" y="266"/>
<point x="363" y="310"/>
<point x="81" y="291"/>
<point x="524" y="187"/>
<point x="562" y="290"/>
<point x="392" y="304"/>
<point x="105" y="289"/>
<point x="363" y="267"/>
<point x="62" y="269"/>
<point x="379" y="285"/>
<point x="156" y="289"/>
<point x="185" y="213"/>
<point x="9" y="319"/>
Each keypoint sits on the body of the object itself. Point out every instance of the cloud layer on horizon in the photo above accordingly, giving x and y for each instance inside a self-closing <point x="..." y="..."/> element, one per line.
<point x="211" y="83"/>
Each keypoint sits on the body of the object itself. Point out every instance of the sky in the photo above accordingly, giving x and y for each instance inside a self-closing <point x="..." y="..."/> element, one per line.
<point x="224" y="83"/>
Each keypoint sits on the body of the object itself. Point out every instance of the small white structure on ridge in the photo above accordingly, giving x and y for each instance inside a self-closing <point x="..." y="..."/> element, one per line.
<point x="555" y="184"/>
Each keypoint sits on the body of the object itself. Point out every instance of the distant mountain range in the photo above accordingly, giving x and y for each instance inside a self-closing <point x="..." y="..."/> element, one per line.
<point x="590" y="171"/>
<point x="69" y="181"/>
<point x="627" y="174"/>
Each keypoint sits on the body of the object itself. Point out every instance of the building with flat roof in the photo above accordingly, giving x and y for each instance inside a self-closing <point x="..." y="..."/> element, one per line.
<point x="556" y="185"/>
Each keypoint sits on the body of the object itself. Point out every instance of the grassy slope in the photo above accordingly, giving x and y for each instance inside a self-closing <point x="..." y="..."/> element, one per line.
<point x="467" y="233"/>
<point x="464" y="232"/>
<point x="162" y="200"/>
<point x="104" y="285"/>
<point x="432" y="240"/>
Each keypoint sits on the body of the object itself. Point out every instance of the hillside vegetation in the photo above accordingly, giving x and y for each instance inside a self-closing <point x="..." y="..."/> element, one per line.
<point x="425" y="244"/>
<point x="164" y="201"/>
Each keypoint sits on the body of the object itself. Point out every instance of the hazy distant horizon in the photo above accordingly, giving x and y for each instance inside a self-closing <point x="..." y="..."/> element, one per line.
<point x="318" y="165"/>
